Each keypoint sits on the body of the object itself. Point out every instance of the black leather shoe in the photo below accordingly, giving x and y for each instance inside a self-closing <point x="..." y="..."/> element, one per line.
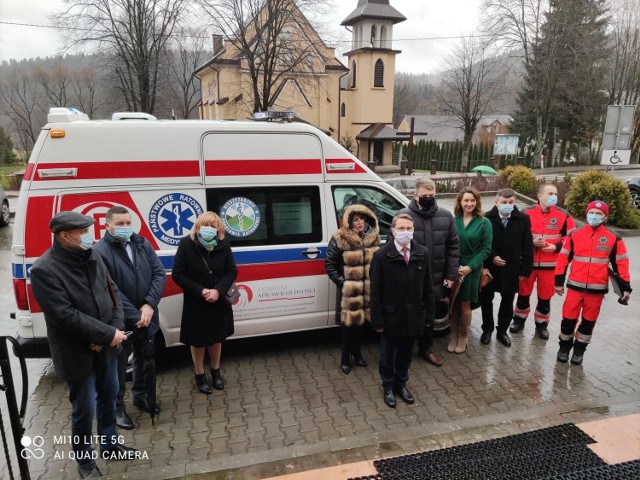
<point x="504" y="339"/>
<point x="576" y="358"/>
<point x="216" y="379"/>
<point x="517" y="325"/>
<point x="203" y="385"/>
<point x="124" y="421"/>
<point x="485" y="338"/>
<point x="430" y="357"/>
<point x="119" y="452"/>
<point x="358" y="360"/>
<point x="563" y="356"/>
<point x="89" y="472"/>
<point x="389" y="398"/>
<point x="542" y="331"/>
<point x="405" y="395"/>
<point x="144" y="406"/>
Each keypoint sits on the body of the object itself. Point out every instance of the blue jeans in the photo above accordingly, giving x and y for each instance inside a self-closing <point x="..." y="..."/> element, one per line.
<point x="95" y="394"/>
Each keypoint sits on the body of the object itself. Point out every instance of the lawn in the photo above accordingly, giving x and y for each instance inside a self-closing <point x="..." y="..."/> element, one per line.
<point x="7" y="178"/>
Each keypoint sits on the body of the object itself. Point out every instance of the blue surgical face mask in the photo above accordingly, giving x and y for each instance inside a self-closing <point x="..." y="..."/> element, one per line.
<point x="122" y="234"/>
<point x="208" y="233"/>
<point x="552" y="200"/>
<point x="505" y="209"/>
<point x="594" y="219"/>
<point x="86" y="240"/>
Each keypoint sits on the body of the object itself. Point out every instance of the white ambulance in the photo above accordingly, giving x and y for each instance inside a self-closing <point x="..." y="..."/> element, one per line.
<point x="280" y="189"/>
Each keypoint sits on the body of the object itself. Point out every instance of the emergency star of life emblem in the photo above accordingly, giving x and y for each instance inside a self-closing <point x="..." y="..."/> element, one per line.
<point x="602" y="240"/>
<point x="553" y="221"/>
<point x="172" y="217"/>
<point x="241" y="217"/>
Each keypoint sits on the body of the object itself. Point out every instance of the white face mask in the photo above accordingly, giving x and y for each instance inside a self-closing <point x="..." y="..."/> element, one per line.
<point x="403" y="237"/>
<point x="86" y="240"/>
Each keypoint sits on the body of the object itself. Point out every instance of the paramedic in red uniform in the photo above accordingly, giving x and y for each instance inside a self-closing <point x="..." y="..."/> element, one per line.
<point x="590" y="250"/>
<point x="549" y="225"/>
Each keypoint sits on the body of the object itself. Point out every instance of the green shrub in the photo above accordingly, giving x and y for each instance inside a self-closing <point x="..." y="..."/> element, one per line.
<point x="521" y="179"/>
<point x="599" y="185"/>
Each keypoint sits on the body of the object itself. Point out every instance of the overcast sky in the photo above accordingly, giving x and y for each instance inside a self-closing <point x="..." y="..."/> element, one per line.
<point x="420" y="52"/>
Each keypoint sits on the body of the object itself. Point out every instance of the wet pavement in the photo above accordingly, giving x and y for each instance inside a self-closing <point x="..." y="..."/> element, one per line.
<point x="286" y="406"/>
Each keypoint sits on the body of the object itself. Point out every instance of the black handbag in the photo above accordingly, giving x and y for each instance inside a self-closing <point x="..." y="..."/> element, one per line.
<point x="232" y="295"/>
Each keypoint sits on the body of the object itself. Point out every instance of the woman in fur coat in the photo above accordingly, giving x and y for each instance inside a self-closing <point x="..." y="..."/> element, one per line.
<point x="349" y="255"/>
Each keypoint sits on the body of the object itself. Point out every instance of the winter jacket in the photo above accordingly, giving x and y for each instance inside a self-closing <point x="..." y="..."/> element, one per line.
<point x="402" y="299"/>
<point x="553" y="226"/>
<point x="590" y="251"/>
<point x="436" y="230"/>
<point x="141" y="282"/>
<point x="347" y="263"/>
<point x="514" y="244"/>
<point x="80" y="305"/>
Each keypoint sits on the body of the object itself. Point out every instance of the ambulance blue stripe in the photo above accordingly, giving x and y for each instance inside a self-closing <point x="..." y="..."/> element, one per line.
<point x="242" y="258"/>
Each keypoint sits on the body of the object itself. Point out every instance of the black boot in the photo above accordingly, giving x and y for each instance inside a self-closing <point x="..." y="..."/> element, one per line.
<point x="345" y="361"/>
<point x="203" y="385"/>
<point x="357" y="358"/>
<point x="578" y="352"/>
<point x="565" y="348"/>
<point x="542" y="331"/>
<point x="517" y="325"/>
<point x="216" y="379"/>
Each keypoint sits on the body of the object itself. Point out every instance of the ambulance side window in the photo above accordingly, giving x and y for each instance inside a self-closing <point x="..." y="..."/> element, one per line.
<point x="268" y="215"/>
<point x="381" y="203"/>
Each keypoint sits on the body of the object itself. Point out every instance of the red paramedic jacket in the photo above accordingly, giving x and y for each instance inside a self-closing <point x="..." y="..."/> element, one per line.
<point x="590" y="251"/>
<point x="553" y="226"/>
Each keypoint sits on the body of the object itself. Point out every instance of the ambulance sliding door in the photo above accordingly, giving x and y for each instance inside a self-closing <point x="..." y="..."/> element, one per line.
<point x="276" y="228"/>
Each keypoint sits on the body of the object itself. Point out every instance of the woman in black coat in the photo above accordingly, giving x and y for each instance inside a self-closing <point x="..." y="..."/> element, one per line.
<point x="204" y="268"/>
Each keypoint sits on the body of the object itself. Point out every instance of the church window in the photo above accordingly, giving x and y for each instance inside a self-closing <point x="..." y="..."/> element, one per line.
<point x="343" y="110"/>
<point x="378" y="74"/>
<point x="353" y="74"/>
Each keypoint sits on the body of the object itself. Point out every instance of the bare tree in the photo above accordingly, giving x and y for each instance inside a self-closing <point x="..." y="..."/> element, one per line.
<point x="85" y="90"/>
<point x="405" y="98"/>
<point x="271" y="40"/>
<point x="624" y="63"/>
<point x="19" y="100"/>
<point x="472" y="83"/>
<point x="514" y="26"/>
<point x="134" y="32"/>
<point x="185" y="53"/>
<point x="54" y="83"/>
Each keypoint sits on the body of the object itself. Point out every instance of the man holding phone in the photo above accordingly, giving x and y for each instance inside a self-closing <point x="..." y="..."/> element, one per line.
<point x="85" y="325"/>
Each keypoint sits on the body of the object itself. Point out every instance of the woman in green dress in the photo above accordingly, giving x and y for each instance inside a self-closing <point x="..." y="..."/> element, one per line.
<point x="475" y="235"/>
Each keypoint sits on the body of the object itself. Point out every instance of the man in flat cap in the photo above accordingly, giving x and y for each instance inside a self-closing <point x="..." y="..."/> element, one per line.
<point x="84" y="327"/>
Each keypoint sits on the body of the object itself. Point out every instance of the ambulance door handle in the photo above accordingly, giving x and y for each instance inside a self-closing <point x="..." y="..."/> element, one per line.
<point x="311" y="253"/>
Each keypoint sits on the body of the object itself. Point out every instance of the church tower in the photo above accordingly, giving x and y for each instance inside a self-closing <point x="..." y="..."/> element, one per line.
<point x="367" y="98"/>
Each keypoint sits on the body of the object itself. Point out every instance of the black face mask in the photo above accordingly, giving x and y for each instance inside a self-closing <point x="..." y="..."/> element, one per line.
<point x="427" y="202"/>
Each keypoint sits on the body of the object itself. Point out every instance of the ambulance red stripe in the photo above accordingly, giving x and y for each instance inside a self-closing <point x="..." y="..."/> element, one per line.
<point x="125" y="169"/>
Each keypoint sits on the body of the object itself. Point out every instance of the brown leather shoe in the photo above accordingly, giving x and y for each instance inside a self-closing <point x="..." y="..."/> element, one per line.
<point x="431" y="357"/>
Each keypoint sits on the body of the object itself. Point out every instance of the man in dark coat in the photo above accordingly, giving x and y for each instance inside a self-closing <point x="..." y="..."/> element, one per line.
<point x="435" y="230"/>
<point x="140" y="276"/>
<point x="84" y="327"/>
<point x="510" y="260"/>
<point x="401" y="304"/>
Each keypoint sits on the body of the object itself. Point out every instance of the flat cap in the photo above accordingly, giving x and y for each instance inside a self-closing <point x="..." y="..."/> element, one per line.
<point x="64" y="221"/>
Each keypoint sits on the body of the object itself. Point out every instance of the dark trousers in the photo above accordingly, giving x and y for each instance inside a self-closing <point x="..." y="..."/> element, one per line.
<point x="425" y="342"/>
<point x="395" y="360"/>
<point x="134" y="344"/>
<point x="94" y="395"/>
<point x="505" y="312"/>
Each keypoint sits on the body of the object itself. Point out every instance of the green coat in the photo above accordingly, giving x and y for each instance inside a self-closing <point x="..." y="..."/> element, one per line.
<point x="475" y="246"/>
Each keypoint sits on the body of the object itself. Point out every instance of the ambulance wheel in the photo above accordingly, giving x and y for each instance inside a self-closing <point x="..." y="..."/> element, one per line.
<point x="5" y="215"/>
